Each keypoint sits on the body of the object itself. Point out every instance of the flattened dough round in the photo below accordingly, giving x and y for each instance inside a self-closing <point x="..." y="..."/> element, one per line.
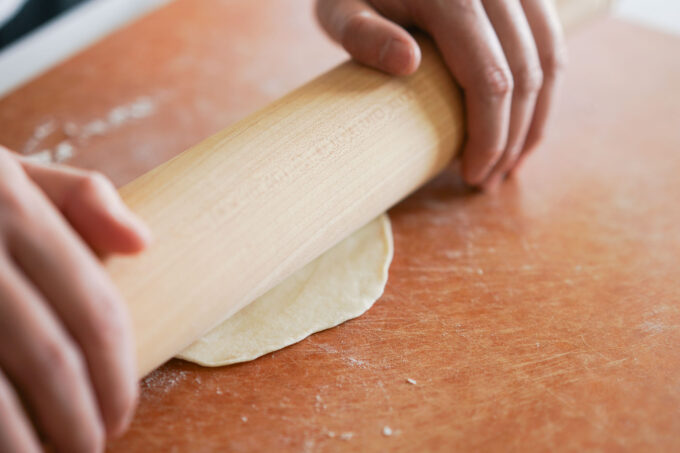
<point x="340" y="285"/>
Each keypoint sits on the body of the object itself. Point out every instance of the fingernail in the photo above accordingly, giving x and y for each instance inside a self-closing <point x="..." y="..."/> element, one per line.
<point x="395" y="56"/>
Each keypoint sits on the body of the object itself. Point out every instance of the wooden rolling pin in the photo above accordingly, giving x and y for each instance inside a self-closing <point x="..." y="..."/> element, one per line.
<point x="240" y="211"/>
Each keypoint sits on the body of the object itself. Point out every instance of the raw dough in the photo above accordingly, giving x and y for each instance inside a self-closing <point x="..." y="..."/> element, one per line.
<point x="340" y="285"/>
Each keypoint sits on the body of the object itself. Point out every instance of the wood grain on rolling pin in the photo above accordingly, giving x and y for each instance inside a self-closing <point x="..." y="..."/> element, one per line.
<point x="242" y="210"/>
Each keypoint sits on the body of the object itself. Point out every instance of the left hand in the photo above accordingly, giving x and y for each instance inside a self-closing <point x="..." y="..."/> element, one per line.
<point x="506" y="55"/>
<point x="67" y="360"/>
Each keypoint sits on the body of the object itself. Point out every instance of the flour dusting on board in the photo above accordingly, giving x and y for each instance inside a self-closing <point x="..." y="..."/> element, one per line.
<point x="161" y="381"/>
<point x="356" y="362"/>
<point x="40" y="133"/>
<point x="70" y="135"/>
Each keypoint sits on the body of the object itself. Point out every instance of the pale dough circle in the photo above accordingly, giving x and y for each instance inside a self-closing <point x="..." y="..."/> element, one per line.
<point x="339" y="285"/>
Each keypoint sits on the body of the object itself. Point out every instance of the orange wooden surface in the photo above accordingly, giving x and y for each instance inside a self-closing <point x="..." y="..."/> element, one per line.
<point x="546" y="316"/>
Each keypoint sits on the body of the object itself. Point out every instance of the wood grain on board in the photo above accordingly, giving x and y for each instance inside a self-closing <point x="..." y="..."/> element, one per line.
<point x="544" y="316"/>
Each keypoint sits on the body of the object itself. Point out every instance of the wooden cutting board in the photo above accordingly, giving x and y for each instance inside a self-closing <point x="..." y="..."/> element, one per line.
<point x="544" y="316"/>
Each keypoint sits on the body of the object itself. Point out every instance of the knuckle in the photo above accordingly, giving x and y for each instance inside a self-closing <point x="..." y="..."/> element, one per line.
<point x="497" y="82"/>
<point x="513" y="154"/>
<point x="108" y="327"/>
<point x="554" y="62"/>
<point x="507" y="161"/>
<point x="61" y="358"/>
<point x="529" y="79"/>
<point x="352" y="28"/>
<point x="467" y="9"/>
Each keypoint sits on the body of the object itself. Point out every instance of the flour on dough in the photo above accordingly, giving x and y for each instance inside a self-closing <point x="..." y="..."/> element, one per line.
<point x="340" y="285"/>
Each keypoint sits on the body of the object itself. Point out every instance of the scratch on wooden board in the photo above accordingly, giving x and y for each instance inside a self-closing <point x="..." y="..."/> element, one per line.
<point x="608" y="359"/>
<point x="543" y="360"/>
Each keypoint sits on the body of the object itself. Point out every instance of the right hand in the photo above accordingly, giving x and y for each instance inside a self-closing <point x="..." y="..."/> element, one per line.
<point x="67" y="363"/>
<point x="506" y="55"/>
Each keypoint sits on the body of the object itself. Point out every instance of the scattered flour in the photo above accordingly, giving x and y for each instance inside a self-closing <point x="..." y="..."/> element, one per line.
<point x="319" y="404"/>
<point x="355" y="362"/>
<point x="163" y="381"/>
<point x="118" y="116"/>
<point x="42" y="157"/>
<point x="43" y="130"/>
<point x="347" y="436"/>
<point x="63" y="152"/>
<point x="70" y="129"/>
<point x="387" y="431"/>
<point x="411" y="381"/>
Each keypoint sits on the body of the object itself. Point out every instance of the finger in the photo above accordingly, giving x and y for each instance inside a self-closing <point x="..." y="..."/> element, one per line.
<point x="369" y="37"/>
<point x="38" y="355"/>
<point x="15" y="428"/>
<point x="475" y="57"/>
<point x="71" y="278"/>
<point x="92" y="206"/>
<point x="512" y="28"/>
<point x="549" y="38"/>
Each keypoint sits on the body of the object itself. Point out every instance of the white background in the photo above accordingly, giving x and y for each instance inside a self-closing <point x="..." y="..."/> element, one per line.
<point x="661" y="14"/>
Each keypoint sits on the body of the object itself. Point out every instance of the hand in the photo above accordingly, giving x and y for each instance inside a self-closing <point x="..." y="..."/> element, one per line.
<point x="507" y="56"/>
<point x="66" y="346"/>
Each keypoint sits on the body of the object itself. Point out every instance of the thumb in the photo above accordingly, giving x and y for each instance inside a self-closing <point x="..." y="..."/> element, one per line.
<point x="369" y="37"/>
<point x="92" y="206"/>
